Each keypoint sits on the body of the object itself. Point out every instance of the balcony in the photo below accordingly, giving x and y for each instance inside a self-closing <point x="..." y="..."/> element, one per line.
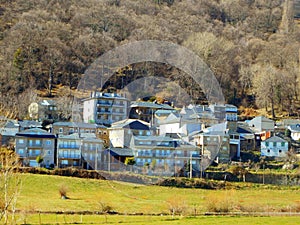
<point x="34" y="145"/>
<point x="69" y="156"/>
<point x="33" y="154"/>
<point x="104" y="112"/>
<point x="61" y="146"/>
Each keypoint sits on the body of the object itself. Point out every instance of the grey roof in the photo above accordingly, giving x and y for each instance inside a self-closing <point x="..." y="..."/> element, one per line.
<point x="121" y="152"/>
<point x="295" y="127"/>
<point x="11" y="124"/>
<point x="97" y="94"/>
<point x="36" y="132"/>
<point x="69" y="136"/>
<point x="275" y="139"/>
<point x="29" y="123"/>
<point x="130" y="123"/>
<point x="288" y="122"/>
<point x="161" y="112"/>
<point x="150" y="105"/>
<point x="76" y="124"/>
<point x="153" y="138"/>
<point x="47" y="102"/>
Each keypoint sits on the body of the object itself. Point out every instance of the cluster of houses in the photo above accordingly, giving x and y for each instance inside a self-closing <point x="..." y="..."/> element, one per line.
<point x="157" y="136"/>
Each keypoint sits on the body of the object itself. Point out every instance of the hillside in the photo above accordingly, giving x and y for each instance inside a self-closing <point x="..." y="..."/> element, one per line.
<point x="252" y="47"/>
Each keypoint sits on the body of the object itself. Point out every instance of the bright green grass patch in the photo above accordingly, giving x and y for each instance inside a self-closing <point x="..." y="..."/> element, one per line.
<point x="40" y="193"/>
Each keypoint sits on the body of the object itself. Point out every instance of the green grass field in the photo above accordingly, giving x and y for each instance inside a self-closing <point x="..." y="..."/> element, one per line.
<point x="40" y="194"/>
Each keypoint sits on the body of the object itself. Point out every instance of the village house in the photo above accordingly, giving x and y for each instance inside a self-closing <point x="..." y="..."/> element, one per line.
<point x="274" y="147"/>
<point x="177" y="123"/>
<point x="33" y="143"/>
<point x="214" y="145"/>
<point x="105" y="108"/>
<point x="295" y="131"/>
<point x="79" y="150"/>
<point x="66" y="128"/>
<point x="146" y="110"/>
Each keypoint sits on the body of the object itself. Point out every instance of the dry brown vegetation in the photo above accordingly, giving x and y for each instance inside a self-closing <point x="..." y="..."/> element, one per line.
<point x="252" y="46"/>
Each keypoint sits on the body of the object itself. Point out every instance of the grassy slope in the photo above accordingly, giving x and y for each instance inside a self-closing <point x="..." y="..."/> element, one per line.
<point x="40" y="192"/>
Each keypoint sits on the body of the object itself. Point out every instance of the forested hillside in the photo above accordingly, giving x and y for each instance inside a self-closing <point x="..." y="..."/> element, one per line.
<point x="252" y="46"/>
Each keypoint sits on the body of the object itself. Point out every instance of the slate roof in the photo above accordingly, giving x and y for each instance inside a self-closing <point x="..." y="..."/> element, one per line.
<point x="295" y="127"/>
<point x="243" y="130"/>
<point x="130" y="124"/>
<point x="76" y="124"/>
<point x="275" y="139"/>
<point x="47" y="102"/>
<point x="150" y="105"/>
<point x="29" y="123"/>
<point x="121" y="152"/>
<point x="36" y="132"/>
<point x="153" y="138"/>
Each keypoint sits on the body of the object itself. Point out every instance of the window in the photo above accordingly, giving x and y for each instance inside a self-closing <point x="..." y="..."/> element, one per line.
<point x="37" y="142"/>
<point x="48" y="142"/>
<point x="280" y="151"/>
<point x="49" y="152"/>
<point x="267" y="144"/>
<point x="21" y="151"/>
<point x="268" y="150"/>
<point x="21" y="141"/>
<point x="60" y="130"/>
<point x="275" y="144"/>
<point x="282" y="144"/>
<point x="64" y="162"/>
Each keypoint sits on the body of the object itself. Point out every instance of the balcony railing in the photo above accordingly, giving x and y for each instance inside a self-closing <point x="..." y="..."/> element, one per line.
<point x="69" y="156"/>
<point x="61" y="146"/>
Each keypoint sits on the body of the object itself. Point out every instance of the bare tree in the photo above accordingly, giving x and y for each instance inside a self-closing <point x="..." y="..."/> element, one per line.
<point x="10" y="183"/>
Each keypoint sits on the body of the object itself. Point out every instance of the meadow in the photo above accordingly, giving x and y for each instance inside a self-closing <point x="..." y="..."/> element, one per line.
<point x="40" y="203"/>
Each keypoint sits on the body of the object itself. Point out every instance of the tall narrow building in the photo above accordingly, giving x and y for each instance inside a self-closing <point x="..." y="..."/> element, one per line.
<point x="105" y="108"/>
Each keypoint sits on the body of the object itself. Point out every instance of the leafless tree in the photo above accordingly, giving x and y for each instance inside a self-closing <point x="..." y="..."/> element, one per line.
<point x="10" y="183"/>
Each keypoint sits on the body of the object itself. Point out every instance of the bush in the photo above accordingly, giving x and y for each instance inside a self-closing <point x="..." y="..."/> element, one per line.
<point x="177" y="206"/>
<point x="220" y="204"/>
<point x="63" y="191"/>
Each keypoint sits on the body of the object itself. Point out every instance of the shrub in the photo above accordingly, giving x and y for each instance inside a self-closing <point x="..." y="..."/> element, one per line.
<point x="63" y="191"/>
<point x="177" y="206"/>
<point x="220" y="204"/>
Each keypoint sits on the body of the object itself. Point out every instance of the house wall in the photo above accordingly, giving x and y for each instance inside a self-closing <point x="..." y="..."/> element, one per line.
<point x="103" y="109"/>
<point x="117" y="138"/>
<point x="169" y="128"/>
<point x="69" y="152"/>
<point x="189" y="128"/>
<point x="92" y="151"/>
<point x="29" y="148"/>
<point x="274" y="149"/>
<point x="295" y="135"/>
<point x="89" y="113"/>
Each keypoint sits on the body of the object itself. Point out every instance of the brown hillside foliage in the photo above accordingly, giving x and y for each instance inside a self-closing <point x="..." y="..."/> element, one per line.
<point x="252" y="46"/>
